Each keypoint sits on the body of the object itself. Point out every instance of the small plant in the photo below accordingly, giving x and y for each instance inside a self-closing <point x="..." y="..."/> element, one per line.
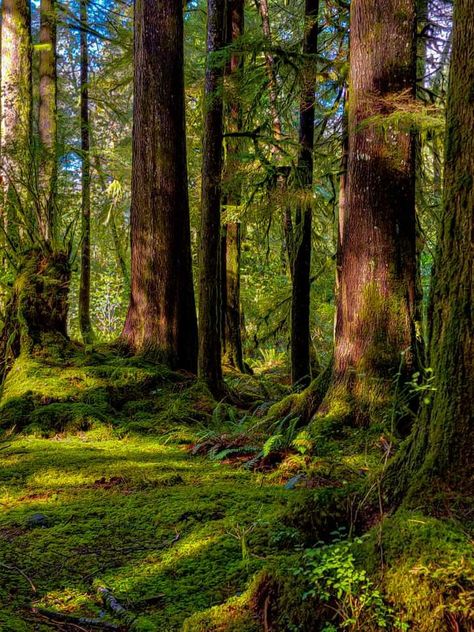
<point x="337" y="581"/>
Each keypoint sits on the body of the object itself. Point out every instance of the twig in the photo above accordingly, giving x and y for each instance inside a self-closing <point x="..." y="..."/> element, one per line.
<point x="23" y="574"/>
<point x="69" y="618"/>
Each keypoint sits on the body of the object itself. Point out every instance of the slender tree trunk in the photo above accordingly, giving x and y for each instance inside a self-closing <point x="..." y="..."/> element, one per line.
<point x="441" y="446"/>
<point x="232" y="336"/>
<point x="85" y="280"/>
<point x="209" y="364"/>
<point x="48" y="119"/>
<point x="16" y="113"/>
<point x="161" y="317"/>
<point x="300" y="299"/>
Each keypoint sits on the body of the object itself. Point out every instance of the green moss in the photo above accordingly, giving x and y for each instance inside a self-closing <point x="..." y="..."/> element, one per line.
<point x="425" y="568"/>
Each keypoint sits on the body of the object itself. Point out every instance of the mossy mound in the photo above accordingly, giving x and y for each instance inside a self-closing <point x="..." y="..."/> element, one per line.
<point x="45" y="394"/>
<point x="425" y="567"/>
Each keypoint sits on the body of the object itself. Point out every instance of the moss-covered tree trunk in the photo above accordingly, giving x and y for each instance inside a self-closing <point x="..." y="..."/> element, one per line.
<point x="375" y="326"/>
<point x="209" y="362"/>
<point x="15" y="120"/>
<point x="441" y="445"/>
<point x="47" y="119"/>
<point x="85" y="323"/>
<point x="301" y="240"/>
<point x="36" y="313"/>
<point x="161" y="318"/>
<point x="231" y="312"/>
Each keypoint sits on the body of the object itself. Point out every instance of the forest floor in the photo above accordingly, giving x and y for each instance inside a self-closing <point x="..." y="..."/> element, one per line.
<point x="120" y="475"/>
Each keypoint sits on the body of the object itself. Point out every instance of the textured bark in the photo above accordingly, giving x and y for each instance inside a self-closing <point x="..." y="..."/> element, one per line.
<point x="161" y="318"/>
<point x="441" y="446"/>
<point x="85" y="279"/>
<point x="47" y="122"/>
<point x="209" y="362"/>
<point x="16" y="111"/>
<point x="232" y="319"/>
<point x="300" y="299"/>
<point x="377" y="258"/>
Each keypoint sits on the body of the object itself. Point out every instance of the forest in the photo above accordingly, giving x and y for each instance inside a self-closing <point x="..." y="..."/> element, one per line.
<point x="236" y="325"/>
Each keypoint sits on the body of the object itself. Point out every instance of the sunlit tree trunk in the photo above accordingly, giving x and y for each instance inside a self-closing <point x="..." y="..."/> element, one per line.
<point x="209" y="364"/>
<point x="375" y="335"/>
<point x="47" y="122"/>
<point x="301" y="259"/>
<point x="231" y="327"/>
<point x="16" y="111"/>
<point x="161" y="318"/>
<point x="85" y="280"/>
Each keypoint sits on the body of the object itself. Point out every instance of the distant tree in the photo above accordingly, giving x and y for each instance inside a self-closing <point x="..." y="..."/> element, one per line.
<point x="231" y="238"/>
<point x="16" y="116"/>
<point x="47" y="120"/>
<point x="161" y="316"/>
<point x="301" y="239"/>
<point x="85" y="280"/>
<point x="210" y="368"/>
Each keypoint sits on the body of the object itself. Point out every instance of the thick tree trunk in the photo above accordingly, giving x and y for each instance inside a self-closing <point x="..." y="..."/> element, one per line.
<point x="231" y="327"/>
<point x="301" y="247"/>
<point x="441" y="445"/>
<point x="16" y="112"/>
<point x="161" y="318"/>
<point x="209" y="364"/>
<point x="377" y="257"/>
<point x="47" y="122"/>
<point x="85" y="279"/>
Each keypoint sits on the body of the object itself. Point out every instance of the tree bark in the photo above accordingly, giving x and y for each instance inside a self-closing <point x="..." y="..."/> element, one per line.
<point x="161" y="318"/>
<point x="16" y="113"/>
<point x="301" y="247"/>
<point x="441" y="447"/>
<point x="209" y="364"/>
<point x="377" y="257"/>
<point x="47" y="122"/>
<point x="232" y="334"/>
<point x="85" y="278"/>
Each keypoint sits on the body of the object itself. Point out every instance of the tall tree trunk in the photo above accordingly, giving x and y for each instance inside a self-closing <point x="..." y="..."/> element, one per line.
<point x="232" y="336"/>
<point x="300" y="298"/>
<point x="161" y="318"/>
<point x="209" y="364"/>
<point x="48" y="119"/>
<point x="441" y="445"/>
<point x="16" y="112"/>
<point x="377" y="263"/>
<point x="85" y="280"/>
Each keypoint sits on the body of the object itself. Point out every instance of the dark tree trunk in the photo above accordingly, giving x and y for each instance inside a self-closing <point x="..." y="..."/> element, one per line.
<point x="161" y="318"/>
<point x="231" y="329"/>
<point x="441" y="445"/>
<point x="47" y="123"/>
<point x="377" y="257"/>
<point x="16" y="111"/>
<point x="85" y="280"/>
<point x="301" y="247"/>
<point x="209" y="365"/>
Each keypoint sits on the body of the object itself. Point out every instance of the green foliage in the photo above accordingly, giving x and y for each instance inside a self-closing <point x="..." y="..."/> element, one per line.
<point x="338" y="582"/>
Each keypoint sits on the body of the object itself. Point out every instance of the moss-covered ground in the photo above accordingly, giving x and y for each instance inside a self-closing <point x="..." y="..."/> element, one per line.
<point x="198" y="516"/>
